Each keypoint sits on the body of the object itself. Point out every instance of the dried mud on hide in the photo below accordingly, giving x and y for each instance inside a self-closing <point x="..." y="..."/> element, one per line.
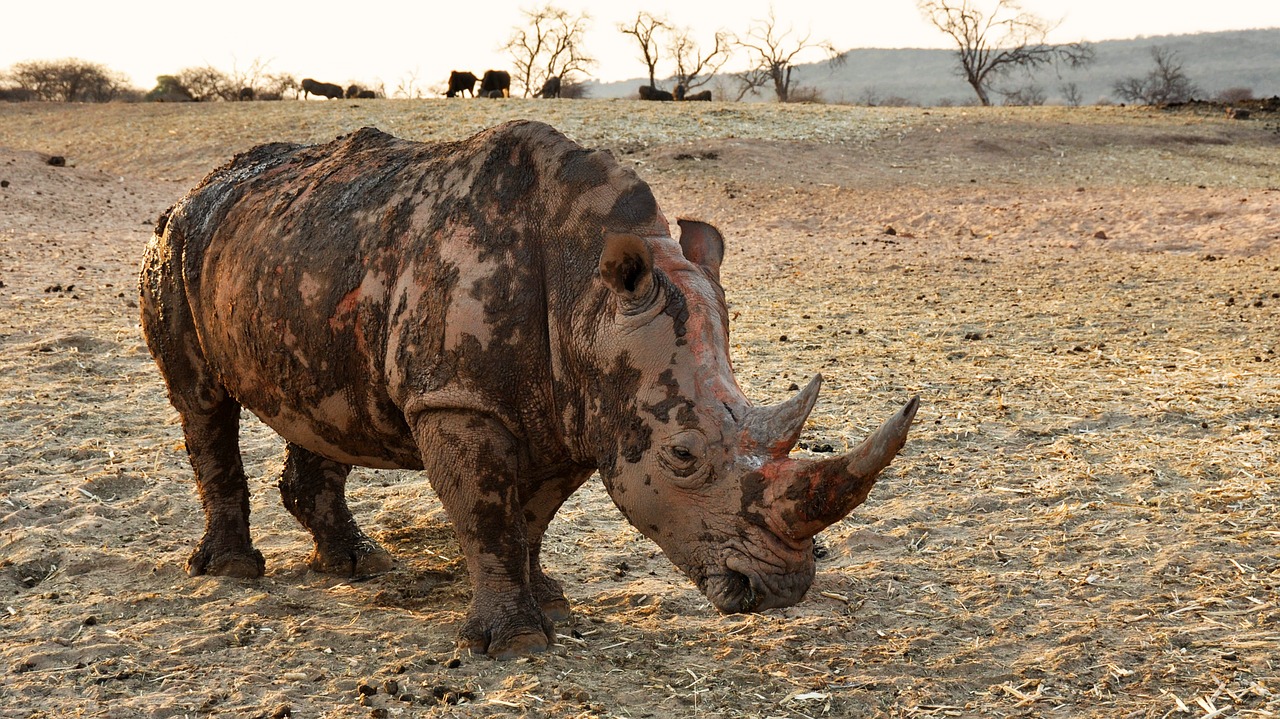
<point x="1083" y="522"/>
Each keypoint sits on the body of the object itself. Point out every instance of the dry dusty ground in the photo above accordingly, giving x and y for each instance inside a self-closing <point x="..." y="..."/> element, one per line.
<point x="1083" y="523"/>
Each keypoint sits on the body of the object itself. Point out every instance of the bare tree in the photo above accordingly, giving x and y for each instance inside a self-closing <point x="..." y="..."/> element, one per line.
<point x="274" y="86"/>
<point x="549" y="46"/>
<point x="1072" y="94"/>
<point x="1166" y="83"/>
<point x="68" y="80"/>
<point x="645" y="29"/>
<point x="207" y="83"/>
<point x="774" y="53"/>
<point x="1028" y="95"/>
<point x="407" y="87"/>
<point x="255" y="78"/>
<point x="990" y="44"/>
<point x="749" y="82"/>
<point x="695" y="68"/>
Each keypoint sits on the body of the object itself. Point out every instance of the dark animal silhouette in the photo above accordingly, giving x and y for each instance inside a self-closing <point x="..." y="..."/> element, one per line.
<point x="495" y="80"/>
<point x="551" y="88"/>
<point x="648" y="92"/>
<point x="682" y="94"/>
<point x="245" y="94"/>
<point x="355" y="91"/>
<point x="460" y="82"/>
<point x="507" y="313"/>
<point x="323" y="89"/>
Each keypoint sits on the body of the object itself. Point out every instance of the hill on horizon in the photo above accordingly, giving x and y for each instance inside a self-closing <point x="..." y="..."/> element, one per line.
<point x="1215" y="61"/>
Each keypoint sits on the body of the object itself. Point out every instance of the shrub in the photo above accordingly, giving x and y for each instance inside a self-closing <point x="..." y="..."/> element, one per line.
<point x="67" y="80"/>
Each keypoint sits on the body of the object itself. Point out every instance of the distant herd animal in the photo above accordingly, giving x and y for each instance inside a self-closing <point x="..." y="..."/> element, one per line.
<point x="493" y="84"/>
<point x="683" y="94"/>
<point x="321" y="89"/>
<point x="460" y="82"/>
<point x="649" y="92"/>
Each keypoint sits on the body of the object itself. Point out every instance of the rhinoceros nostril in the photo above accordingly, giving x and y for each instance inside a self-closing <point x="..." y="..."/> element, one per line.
<point x="733" y="592"/>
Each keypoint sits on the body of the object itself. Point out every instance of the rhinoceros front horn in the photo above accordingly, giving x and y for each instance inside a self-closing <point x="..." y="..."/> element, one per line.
<point x="820" y="493"/>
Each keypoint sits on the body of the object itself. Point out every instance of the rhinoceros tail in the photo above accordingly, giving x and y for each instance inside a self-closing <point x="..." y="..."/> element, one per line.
<point x="163" y="221"/>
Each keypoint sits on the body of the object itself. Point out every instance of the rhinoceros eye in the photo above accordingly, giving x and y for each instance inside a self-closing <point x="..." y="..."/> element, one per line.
<point x="684" y="457"/>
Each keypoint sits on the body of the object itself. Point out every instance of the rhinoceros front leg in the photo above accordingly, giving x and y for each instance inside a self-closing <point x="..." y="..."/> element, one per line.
<point x="540" y="506"/>
<point x="471" y="463"/>
<point x="314" y="491"/>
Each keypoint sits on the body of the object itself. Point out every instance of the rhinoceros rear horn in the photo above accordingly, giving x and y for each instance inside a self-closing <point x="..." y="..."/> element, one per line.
<point x="820" y="493"/>
<point x="626" y="266"/>
<point x="777" y="428"/>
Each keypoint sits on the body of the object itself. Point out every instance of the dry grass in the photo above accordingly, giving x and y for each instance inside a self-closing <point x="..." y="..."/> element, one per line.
<point x="1083" y="523"/>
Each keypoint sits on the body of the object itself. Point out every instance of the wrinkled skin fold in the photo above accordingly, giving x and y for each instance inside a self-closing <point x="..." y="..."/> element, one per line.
<point x="510" y="314"/>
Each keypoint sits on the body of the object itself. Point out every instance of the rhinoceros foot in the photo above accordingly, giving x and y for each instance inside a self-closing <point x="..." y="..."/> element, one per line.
<point x="359" y="558"/>
<point x="506" y="630"/>
<point x="550" y="596"/>
<point x="221" y="562"/>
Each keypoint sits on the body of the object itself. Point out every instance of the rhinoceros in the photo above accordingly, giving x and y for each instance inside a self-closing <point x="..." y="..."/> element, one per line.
<point x="509" y="313"/>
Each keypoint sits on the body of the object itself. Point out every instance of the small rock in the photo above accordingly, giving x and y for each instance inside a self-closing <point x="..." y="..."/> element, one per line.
<point x="284" y="711"/>
<point x="391" y="686"/>
<point x="890" y="231"/>
<point x="4" y="183"/>
<point x="793" y="387"/>
<point x="57" y="161"/>
<point x="366" y="690"/>
<point x="408" y="698"/>
<point x="1099" y="235"/>
<point x="379" y="713"/>
<point x="783" y="338"/>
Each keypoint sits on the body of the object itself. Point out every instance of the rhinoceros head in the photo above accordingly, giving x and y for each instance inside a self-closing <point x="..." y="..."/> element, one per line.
<point x="695" y="466"/>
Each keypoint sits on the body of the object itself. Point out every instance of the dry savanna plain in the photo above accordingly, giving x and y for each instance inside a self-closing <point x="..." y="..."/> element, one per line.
<point x="1083" y="522"/>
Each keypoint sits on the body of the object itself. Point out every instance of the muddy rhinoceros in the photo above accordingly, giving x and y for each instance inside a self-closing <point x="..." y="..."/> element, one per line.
<point x="509" y="313"/>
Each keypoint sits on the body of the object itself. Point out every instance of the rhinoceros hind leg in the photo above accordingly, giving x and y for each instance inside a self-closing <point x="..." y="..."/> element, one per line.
<point x="539" y="509"/>
<point x="550" y="596"/>
<point x="212" y="436"/>
<point x="314" y="491"/>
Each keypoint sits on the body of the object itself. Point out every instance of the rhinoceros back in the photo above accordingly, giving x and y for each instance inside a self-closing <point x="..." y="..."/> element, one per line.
<point x="337" y="288"/>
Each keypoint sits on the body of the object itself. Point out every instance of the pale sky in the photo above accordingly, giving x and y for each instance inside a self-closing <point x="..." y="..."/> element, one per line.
<point x="379" y="41"/>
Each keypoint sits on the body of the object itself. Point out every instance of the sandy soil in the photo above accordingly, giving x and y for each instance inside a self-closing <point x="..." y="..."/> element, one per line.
<point x="1083" y="523"/>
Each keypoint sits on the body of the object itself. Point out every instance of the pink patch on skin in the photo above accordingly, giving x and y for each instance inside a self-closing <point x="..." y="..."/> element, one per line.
<point x="704" y="328"/>
<point x="346" y="306"/>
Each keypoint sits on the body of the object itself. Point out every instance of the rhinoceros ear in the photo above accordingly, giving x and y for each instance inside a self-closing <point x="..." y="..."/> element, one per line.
<point x="626" y="266"/>
<point x="702" y="245"/>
